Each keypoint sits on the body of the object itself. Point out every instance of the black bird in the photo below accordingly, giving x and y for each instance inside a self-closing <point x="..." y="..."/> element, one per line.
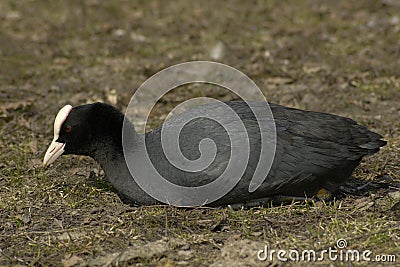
<point x="315" y="152"/>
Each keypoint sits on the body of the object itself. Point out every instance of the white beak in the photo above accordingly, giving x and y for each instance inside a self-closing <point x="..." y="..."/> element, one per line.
<point x="53" y="152"/>
<point x="56" y="148"/>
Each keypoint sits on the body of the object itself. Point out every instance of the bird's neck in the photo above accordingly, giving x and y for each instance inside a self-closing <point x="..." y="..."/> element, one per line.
<point x="108" y="145"/>
<point x="112" y="160"/>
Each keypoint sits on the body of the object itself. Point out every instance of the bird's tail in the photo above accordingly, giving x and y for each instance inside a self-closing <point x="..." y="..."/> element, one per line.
<point x="374" y="143"/>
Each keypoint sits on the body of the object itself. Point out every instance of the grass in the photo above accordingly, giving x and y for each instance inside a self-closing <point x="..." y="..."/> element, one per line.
<point x="341" y="55"/>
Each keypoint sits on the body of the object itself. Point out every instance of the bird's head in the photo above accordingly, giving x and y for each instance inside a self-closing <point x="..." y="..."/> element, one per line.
<point x="84" y="129"/>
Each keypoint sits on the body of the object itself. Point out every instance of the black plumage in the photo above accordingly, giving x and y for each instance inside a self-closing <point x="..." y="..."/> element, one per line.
<point x="313" y="150"/>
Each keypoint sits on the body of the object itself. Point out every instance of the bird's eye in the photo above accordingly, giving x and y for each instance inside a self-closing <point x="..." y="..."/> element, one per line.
<point x="68" y="129"/>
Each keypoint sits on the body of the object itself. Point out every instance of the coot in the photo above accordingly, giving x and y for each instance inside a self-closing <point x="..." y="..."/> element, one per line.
<point x="315" y="152"/>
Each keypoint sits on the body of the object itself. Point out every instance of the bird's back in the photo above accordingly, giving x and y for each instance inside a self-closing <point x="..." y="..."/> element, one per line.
<point x="313" y="151"/>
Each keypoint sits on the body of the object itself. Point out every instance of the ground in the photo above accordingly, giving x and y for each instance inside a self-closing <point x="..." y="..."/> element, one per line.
<point x="339" y="57"/>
